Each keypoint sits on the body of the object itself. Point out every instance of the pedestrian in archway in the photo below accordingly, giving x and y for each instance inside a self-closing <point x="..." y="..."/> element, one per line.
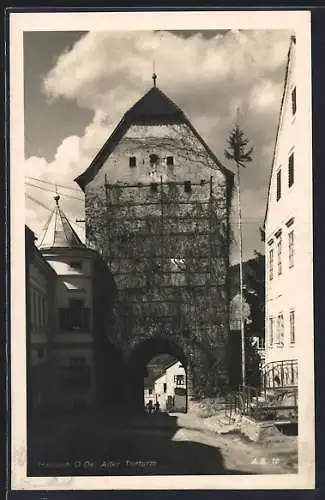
<point x="150" y="407"/>
<point x="157" y="406"/>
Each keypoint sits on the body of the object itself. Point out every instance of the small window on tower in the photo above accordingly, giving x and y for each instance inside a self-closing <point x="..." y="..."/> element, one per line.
<point x="132" y="161"/>
<point x="154" y="159"/>
<point x="170" y="161"/>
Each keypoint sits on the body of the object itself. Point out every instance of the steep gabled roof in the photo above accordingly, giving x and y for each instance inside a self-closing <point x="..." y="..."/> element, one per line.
<point x="149" y="382"/>
<point x="58" y="232"/>
<point x="154" y="376"/>
<point x="285" y="87"/>
<point x="154" y="108"/>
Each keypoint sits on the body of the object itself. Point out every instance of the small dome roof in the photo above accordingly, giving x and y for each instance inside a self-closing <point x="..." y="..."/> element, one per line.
<point x="58" y="232"/>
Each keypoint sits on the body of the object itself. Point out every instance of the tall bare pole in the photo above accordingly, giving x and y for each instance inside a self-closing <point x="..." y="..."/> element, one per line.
<point x="239" y="153"/>
<point x="241" y="285"/>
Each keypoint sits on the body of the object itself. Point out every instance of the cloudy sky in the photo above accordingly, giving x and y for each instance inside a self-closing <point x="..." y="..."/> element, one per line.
<point x="79" y="84"/>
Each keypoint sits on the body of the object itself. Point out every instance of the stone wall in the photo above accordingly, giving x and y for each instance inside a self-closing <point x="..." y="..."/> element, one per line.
<point x="253" y="430"/>
<point x="167" y="244"/>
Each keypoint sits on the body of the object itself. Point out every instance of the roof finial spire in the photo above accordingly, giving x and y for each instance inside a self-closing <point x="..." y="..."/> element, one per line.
<point x="154" y="76"/>
<point x="57" y="196"/>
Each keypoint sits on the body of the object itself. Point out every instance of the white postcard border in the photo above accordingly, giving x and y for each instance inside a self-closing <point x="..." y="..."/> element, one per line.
<point x="299" y="23"/>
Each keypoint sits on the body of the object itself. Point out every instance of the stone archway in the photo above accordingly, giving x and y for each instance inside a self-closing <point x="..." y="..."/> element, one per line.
<point x="140" y="356"/>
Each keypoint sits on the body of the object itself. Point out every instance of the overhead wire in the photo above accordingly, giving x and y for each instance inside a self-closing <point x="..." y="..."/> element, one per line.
<point x="53" y="191"/>
<point x="37" y="201"/>
<point x="247" y="220"/>
<point x="52" y="183"/>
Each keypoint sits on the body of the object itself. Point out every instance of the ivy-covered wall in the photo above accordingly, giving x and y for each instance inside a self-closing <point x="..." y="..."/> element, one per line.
<point x="163" y="228"/>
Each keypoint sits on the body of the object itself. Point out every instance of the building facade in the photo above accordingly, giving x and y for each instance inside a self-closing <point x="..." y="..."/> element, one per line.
<point x="168" y="388"/>
<point x="77" y="307"/>
<point x="40" y="297"/>
<point x="157" y="205"/>
<point x="288" y="240"/>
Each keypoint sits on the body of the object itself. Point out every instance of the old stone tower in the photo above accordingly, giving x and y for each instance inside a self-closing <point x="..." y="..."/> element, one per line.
<point x="157" y="209"/>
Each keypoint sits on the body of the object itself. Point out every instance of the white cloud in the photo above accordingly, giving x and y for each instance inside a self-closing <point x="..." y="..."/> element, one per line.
<point x="106" y="68"/>
<point x="60" y="172"/>
<point x="69" y="150"/>
<point x="265" y="96"/>
<point x="208" y="78"/>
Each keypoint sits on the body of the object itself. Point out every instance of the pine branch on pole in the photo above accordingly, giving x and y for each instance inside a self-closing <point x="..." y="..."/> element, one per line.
<point x="240" y="154"/>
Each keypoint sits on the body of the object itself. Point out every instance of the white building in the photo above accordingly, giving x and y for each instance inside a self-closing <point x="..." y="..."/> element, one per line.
<point x="169" y="388"/>
<point x="40" y="316"/>
<point x="288" y="238"/>
<point x="81" y="303"/>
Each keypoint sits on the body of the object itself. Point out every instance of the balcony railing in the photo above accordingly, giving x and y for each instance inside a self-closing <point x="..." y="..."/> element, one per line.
<point x="282" y="373"/>
<point x="254" y="402"/>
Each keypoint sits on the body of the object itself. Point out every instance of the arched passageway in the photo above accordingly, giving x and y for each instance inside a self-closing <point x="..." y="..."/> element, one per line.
<point x="140" y="357"/>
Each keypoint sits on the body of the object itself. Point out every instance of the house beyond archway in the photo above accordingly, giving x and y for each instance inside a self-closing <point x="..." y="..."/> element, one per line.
<point x="141" y="355"/>
<point x="165" y="388"/>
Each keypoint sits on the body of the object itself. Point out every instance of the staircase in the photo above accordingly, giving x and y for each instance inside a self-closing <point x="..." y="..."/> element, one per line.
<point x="276" y="399"/>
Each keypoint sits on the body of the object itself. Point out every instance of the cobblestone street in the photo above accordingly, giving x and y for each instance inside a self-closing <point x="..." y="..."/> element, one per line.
<point x="153" y="445"/>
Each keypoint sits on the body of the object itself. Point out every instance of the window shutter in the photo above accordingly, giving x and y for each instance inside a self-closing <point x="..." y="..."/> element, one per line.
<point x="291" y="169"/>
<point x="292" y="327"/>
<point x="294" y="101"/>
<point x="282" y="329"/>
<point x="270" y="335"/>
<point x="278" y="185"/>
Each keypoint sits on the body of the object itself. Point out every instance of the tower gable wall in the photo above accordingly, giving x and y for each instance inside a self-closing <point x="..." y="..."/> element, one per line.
<point x="191" y="159"/>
